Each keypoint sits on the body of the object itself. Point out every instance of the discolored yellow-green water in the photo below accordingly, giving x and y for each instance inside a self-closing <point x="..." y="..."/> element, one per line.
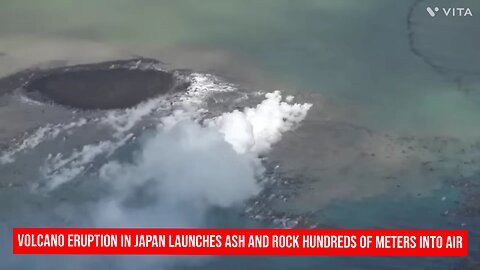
<point x="358" y="53"/>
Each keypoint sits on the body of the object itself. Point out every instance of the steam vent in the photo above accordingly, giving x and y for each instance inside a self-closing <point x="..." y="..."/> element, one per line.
<point x="107" y="85"/>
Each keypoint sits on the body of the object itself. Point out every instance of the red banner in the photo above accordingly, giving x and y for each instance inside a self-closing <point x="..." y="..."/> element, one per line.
<point x="277" y="242"/>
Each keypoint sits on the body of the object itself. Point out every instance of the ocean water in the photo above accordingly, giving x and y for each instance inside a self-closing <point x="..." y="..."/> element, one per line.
<point x="390" y="141"/>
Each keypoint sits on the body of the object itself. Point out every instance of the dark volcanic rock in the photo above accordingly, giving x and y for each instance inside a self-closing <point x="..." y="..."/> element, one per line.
<point x="103" y="89"/>
<point x="107" y="85"/>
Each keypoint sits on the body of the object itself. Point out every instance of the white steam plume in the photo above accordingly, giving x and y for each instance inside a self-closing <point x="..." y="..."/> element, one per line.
<point x="185" y="168"/>
<point x="257" y="129"/>
<point x="178" y="175"/>
<point x="181" y="170"/>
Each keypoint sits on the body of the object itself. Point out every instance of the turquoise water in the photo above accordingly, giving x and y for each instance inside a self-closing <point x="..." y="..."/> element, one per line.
<point x="356" y="53"/>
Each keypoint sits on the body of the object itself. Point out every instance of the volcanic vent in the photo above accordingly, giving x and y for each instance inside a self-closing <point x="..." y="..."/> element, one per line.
<point x="107" y="85"/>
